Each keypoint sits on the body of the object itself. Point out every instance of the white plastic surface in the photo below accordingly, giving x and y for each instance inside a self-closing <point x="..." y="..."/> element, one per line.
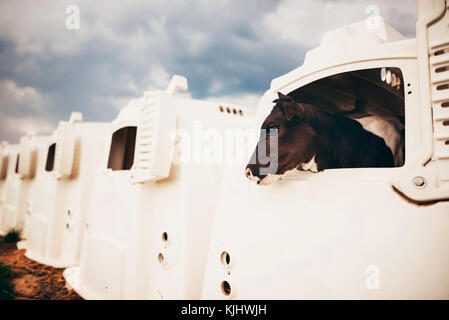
<point x="342" y="233"/>
<point x="125" y="253"/>
<point x="20" y="186"/>
<point x="58" y="217"/>
<point x="3" y="168"/>
<point x="339" y="234"/>
<point x="432" y="161"/>
<point x="10" y="189"/>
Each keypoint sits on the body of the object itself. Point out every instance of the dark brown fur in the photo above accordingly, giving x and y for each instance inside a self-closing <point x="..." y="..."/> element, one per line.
<point x="336" y="141"/>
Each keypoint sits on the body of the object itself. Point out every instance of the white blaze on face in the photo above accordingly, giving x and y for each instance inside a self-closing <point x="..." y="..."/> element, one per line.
<point x="310" y="166"/>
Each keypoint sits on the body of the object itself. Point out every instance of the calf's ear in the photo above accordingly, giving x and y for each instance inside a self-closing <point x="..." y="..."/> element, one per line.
<point x="291" y="108"/>
<point x="288" y="105"/>
<point x="284" y="97"/>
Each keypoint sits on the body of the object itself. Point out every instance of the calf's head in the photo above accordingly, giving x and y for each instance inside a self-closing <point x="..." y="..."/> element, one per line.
<point x="287" y="142"/>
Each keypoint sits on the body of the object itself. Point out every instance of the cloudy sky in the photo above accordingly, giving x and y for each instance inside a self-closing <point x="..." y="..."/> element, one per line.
<point x="228" y="50"/>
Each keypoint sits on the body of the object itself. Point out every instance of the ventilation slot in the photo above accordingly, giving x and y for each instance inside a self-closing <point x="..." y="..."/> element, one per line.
<point x="145" y="141"/>
<point x="50" y="158"/>
<point x="442" y="69"/>
<point x="16" y="170"/>
<point x="440" y="52"/>
<point x="443" y="86"/>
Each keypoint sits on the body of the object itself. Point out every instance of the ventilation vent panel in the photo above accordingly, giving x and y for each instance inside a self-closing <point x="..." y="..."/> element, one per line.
<point x="154" y="132"/>
<point x="64" y="153"/>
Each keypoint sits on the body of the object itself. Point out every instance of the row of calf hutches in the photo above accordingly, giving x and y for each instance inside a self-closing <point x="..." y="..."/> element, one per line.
<point x="3" y="171"/>
<point x="151" y="210"/>
<point x="9" y="159"/>
<point x="348" y="233"/>
<point x="57" y="223"/>
<point x="147" y="207"/>
<point x="4" y="167"/>
<point x="20" y="174"/>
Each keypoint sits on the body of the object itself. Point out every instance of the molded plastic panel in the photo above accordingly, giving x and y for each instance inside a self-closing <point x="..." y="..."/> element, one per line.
<point x="104" y="267"/>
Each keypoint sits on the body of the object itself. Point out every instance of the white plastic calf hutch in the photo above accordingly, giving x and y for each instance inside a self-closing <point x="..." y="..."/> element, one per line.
<point x="155" y="194"/>
<point x="19" y="192"/>
<point x="374" y="233"/>
<point x="60" y="203"/>
<point x="3" y="168"/>
<point x="9" y="184"/>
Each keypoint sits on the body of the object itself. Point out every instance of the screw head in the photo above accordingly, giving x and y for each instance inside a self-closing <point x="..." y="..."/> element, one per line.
<point x="419" y="182"/>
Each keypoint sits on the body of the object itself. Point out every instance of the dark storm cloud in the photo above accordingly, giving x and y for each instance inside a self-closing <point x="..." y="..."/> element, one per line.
<point x="224" y="48"/>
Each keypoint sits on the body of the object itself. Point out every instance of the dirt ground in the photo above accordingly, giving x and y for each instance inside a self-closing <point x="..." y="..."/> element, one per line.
<point x="32" y="280"/>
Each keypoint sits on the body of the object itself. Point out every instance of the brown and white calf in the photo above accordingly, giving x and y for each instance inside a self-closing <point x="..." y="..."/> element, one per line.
<point x="298" y="136"/>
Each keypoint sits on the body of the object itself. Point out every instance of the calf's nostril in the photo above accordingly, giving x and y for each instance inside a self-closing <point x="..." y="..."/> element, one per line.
<point x="248" y="172"/>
